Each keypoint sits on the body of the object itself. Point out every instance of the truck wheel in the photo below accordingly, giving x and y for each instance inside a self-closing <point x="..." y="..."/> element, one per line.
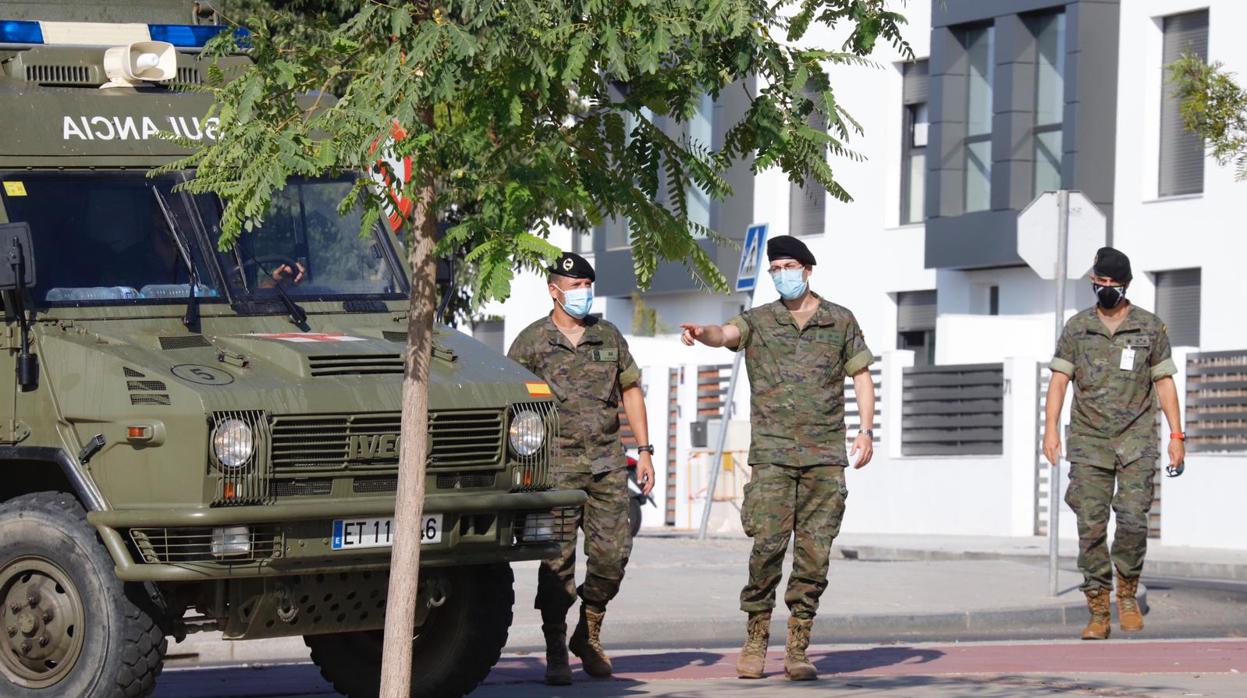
<point x="634" y="516"/>
<point x="68" y="626"/>
<point x="459" y="642"/>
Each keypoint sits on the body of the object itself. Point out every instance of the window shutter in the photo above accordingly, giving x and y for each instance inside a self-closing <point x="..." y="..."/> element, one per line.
<point x="1177" y="304"/>
<point x="915" y="310"/>
<point x="916" y="83"/>
<point x="1181" y="151"/>
<point x="806" y="207"/>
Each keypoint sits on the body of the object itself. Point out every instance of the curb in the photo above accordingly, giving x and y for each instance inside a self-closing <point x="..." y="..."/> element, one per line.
<point x="1227" y="571"/>
<point x="828" y="629"/>
<point x="664" y="633"/>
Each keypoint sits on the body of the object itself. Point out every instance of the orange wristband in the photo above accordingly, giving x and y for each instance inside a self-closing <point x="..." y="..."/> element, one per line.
<point x="1180" y="436"/>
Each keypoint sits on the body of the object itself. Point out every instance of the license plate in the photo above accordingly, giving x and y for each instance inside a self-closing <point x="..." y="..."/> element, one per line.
<point x="351" y="534"/>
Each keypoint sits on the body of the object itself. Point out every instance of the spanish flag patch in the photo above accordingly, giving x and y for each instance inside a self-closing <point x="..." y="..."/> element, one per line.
<point x="538" y="389"/>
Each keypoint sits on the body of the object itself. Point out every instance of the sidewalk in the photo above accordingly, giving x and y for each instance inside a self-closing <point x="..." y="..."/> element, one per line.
<point x="684" y="592"/>
<point x="1162" y="561"/>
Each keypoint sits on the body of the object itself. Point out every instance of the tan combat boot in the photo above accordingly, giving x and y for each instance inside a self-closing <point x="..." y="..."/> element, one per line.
<point x="586" y="643"/>
<point x="1099" y="626"/>
<point x="752" y="661"/>
<point x="558" y="669"/>
<point x="1128" y="614"/>
<point x="796" y="665"/>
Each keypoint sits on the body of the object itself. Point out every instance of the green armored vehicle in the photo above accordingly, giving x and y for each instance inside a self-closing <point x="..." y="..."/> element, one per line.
<point x="193" y="440"/>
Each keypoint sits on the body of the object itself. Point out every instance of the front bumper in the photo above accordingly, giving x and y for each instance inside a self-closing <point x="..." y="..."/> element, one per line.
<point x="304" y="548"/>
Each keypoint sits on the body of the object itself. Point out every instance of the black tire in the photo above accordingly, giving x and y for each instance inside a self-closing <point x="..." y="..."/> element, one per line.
<point x="453" y="652"/>
<point x="634" y="516"/>
<point x="108" y="644"/>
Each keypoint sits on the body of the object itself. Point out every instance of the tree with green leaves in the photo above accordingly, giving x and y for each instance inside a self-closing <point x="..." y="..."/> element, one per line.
<point x="1214" y="106"/>
<point x="520" y="116"/>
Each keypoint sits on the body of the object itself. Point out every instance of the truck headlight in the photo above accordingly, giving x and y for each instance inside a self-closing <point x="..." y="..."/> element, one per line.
<point x="232" y="540"/>
<point x="233" y="443"/>
<point x="528" y="432"/>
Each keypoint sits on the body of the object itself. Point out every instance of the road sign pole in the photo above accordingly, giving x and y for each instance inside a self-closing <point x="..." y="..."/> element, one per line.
<point x="746" y="280"/>
<point x="1054" y="479"/>
<point x="717" y="464"/>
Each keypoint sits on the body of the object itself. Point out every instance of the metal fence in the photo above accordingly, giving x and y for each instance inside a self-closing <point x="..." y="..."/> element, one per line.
<point x="953" y="410"/>
<point x="1216" y="401"/>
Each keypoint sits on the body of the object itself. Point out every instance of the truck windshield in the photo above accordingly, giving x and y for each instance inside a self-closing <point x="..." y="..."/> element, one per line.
<point x="104" y="239"/>
<point x="310" y="250"/>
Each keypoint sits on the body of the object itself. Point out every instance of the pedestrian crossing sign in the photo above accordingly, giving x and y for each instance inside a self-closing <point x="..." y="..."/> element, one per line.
<point x="751" y="257"/>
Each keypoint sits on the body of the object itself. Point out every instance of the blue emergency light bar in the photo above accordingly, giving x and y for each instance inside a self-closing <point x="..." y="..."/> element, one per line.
<point x="16" y="31"/>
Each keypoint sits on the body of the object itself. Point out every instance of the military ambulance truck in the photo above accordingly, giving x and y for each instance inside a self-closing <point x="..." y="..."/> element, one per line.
<point x="194" y="440"/>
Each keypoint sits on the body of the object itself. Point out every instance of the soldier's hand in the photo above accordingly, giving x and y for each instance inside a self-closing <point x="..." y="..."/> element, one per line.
<point x="1052" y="446"/>
<point x="1177" y="451"/>
<point x="864" y="445"/>
<point x="645" y="472"/>
<point x="691" y="333"/>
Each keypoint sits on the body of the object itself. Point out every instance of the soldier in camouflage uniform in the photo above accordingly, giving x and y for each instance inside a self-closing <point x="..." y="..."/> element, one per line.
<point x="798" y="351"/>
<point x="1118" y="357"/>
<point x="589" y="370"/>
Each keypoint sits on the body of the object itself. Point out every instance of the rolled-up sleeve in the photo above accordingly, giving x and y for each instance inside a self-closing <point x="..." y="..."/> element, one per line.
<point x="741" y="323"/>
<point x="1063" y="361"/>
<point x="629" y="372"/>
<point x="857" y="355"/>
<point x="1161" y="358"/>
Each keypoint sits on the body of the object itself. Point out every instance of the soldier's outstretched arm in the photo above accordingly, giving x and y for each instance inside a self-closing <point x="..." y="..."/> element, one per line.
<point x="711" y="335"/>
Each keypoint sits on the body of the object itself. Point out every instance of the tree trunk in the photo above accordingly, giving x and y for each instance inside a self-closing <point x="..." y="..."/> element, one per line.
<point x="400" y="612"/>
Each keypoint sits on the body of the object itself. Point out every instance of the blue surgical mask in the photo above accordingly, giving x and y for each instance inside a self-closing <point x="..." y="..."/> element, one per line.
<point x="577" y="302"/>
<point x="790" y="283"/>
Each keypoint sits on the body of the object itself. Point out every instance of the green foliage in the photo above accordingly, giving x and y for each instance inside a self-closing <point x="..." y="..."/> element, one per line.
<point x="1214" y="106"/>
<point x="536" y="113"/>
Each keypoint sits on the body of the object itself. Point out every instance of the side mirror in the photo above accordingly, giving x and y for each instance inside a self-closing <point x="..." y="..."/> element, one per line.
<point x="17" y="257"/>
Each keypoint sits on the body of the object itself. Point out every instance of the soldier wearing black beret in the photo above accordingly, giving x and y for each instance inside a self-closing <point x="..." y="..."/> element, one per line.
<point x="798" y="351"/>
<point x="1118" y="357"/>
<point x="586" y="363"/>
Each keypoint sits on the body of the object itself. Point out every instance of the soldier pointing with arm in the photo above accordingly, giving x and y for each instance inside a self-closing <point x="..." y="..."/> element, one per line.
<point x="590" y="371"/>
<point x="798" y="351"/>
<point x="1117" y="355"/>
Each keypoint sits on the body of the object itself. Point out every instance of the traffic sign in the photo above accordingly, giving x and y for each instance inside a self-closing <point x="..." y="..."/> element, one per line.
<point x="751" y="257"/>
<point x="1038" y="225"/>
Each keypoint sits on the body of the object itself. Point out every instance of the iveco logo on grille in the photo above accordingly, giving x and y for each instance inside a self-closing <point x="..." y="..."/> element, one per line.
<point x="370" y="447"/>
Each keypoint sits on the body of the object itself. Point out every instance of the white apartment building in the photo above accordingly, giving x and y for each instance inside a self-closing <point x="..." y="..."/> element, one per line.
<point x="1005" y="100"/>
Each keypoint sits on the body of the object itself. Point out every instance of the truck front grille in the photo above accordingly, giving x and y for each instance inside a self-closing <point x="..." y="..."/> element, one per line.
<point x="182" y="545"/>
<point x="303" y="443"/>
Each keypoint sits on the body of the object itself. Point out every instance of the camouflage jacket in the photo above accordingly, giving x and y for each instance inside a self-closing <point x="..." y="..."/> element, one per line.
<point x="1114" y="413"/>
<point x="796" y="377"/>
<point x="587" y="381"/>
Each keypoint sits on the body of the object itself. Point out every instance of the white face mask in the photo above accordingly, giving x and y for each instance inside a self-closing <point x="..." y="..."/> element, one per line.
<point x="789" y="282"/>
<point x="577" y="301"/>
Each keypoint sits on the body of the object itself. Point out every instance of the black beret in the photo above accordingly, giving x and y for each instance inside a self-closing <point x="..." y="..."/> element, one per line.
<point x="573" y="266"/>
<point x="1113" y="264"/>
<point x="788" y="247"/>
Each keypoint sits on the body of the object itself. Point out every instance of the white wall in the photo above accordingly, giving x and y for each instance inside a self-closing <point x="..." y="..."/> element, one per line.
<point x="1202" y="230"/>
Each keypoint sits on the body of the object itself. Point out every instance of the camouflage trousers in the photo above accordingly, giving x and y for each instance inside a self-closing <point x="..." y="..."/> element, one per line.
<point x="604" y="520"/>
<point x="1090" y="494"/>
<point x="784" y="502"/>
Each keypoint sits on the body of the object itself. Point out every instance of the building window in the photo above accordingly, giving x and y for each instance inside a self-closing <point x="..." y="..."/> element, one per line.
<point x="914" y="144"/>
<point x="1181" y="151"/>
<point x="1049" y="32"/>
<point x="978" y="44"/>
<point x="807" y="200"/>
<point x="582" y="241"/>
<point x="915" y="325"/>
<point x="1177" y="304"/>
<point x="701" y="133"/>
